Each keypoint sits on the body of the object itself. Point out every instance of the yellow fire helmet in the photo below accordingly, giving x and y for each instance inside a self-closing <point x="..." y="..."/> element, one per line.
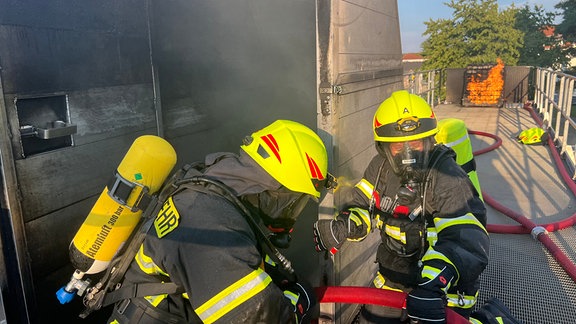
<point x="404" y="117"/>
<point x="292" y="154"/>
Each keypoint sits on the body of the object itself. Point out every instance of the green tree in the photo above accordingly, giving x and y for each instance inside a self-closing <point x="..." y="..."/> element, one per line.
<point x="568" y="25"/>
<point x="477" y="33"/>
<point x="538" y="49"/>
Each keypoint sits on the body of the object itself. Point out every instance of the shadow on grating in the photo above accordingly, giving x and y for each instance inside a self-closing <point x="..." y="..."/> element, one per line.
<point x="524" y="275"/>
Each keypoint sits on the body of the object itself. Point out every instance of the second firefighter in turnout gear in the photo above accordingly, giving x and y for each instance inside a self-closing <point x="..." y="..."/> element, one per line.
<point x="203" y="242"/>
<point x="432" y="222"/>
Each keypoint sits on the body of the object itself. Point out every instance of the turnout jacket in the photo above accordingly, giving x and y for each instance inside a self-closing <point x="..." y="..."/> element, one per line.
<point x="451" y="224"/>
<point x="202" y="243"/>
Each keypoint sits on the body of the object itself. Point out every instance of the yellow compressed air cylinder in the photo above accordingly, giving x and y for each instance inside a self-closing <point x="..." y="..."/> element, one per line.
<point x="109" y="224"/>
<point x="453" y="133"/>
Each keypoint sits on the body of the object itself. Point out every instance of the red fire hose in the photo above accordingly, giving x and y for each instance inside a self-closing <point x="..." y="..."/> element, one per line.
<point x="527" y="226"/>
<point x="374" y="296"/>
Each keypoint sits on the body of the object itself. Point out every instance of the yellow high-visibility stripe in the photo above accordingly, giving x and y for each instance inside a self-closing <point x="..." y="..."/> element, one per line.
<point x="234" y="295"/>
<point x="366" y="187"/>
<point x="432" y="254"/>
<point x="155" y="300"/>
<point x="468" y="219"/>
<point x="431" y="236"/>
<point x="380" y="283"/>
<point x="395" y="233"/>
<point x="461" y="301"/>
<point x="146" y="263"/>
<point x="430" y="272"/>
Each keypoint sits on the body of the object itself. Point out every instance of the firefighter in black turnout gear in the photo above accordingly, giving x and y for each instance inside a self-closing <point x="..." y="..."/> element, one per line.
<point x="431" y="219"/>
<point x="205" y="241"/>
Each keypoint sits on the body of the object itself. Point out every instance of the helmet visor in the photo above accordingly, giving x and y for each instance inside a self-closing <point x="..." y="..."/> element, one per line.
<point x="280" y="208"/>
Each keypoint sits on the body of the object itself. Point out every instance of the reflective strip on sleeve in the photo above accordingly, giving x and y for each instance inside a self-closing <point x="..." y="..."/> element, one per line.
<point x="292" y="297"/>
<point x="380" y="283"/>
<point x="461" y="301"/>
<point x="360" y="217"/>
<point x="432" y="254"/>
<point x="364" y="216"/>
<point x="366" y="187"/>
<point x="430" y="272"/>
<point x="395" y="233"/>
<point x="155" y="300"/>
<point x="146" y="263"/>
<point x="234" y="295"/>
<point x="431" y="235"/>
<point x="269" y="260"/>
<point x="468" y="219"/>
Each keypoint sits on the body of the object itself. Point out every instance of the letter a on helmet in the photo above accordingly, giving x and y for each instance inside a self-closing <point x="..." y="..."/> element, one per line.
<point x="292" y="154"/>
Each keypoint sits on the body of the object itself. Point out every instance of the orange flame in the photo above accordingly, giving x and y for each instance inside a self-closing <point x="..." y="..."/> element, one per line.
<point x="489" y="90"/>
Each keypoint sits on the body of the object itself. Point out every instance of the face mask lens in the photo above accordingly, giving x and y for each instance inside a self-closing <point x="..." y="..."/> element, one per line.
<point x="282" y="207"/>
<point x="406" y="158"/>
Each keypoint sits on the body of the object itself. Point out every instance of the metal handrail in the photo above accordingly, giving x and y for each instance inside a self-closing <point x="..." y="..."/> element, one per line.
<point x="554" y="92"/>
<point x="428" y="84"/>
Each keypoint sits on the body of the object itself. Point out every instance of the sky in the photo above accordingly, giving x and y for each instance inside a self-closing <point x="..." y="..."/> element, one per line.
<point x="413" y="14"/>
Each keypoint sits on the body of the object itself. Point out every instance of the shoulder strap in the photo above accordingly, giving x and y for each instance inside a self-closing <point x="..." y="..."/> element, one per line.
<point x="438" y="154"/>
<point x="141" y="290"/>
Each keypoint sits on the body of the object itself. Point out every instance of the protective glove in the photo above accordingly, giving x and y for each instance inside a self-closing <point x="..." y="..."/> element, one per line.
<point x="302" y="297"/>
<point x="352" y="224"/>
<point x="427" y="302"/>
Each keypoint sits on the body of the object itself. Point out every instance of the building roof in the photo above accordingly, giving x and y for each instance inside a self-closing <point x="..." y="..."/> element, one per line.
<point x="412" y="57"/>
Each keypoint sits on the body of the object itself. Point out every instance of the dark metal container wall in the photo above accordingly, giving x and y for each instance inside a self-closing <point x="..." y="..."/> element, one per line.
<point x="81" y="80"/>
<point x="202" y="74"/>
<point x="94" y="56"/>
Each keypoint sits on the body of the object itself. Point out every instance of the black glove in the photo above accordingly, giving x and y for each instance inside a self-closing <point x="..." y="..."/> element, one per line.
<point x="280" y="276"/>
<point x="427" y="302"/>
<point x="353" y="224"/>
<point x="302" y="297"/>
<point x="329" y="235"/>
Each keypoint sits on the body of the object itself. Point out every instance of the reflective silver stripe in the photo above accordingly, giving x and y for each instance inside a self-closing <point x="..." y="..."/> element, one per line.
<point x="432" y="254"/>
<point x="458" y="141"/>
<point x="442" y="223"/>
<point x="461" y="301"/>
<point x="431" y="235"/>
<point x="366" y="187"/>
<point x="146" y="263"/>
<point x="234" y="295"/>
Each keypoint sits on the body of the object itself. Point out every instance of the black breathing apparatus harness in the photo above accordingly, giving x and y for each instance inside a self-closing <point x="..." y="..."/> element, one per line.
<point x="410" y="191"/>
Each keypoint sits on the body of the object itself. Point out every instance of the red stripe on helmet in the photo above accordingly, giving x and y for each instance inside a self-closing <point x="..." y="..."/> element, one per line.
<point x="314" y="169"/>
<point x="273" y="145"/>
<point x="376" y="123"/>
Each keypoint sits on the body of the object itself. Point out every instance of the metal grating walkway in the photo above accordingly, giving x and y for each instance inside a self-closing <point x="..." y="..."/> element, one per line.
<point x="522" y="272"/>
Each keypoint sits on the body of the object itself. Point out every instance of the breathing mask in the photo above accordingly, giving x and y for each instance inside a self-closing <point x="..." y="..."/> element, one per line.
<point x="408" y="159"/>
<point x="279" y="210"/>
